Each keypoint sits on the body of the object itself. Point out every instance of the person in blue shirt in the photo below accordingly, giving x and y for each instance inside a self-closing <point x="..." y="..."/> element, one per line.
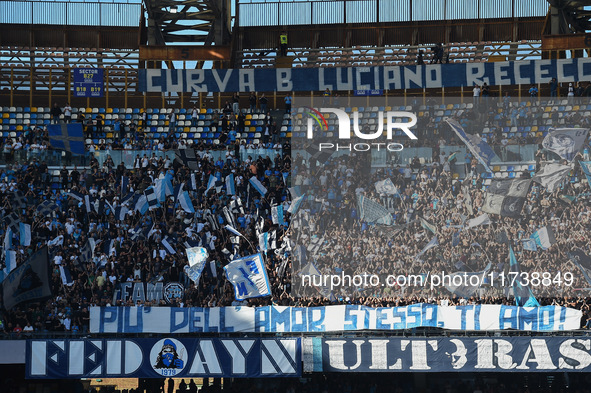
<point x="287" y="101"/>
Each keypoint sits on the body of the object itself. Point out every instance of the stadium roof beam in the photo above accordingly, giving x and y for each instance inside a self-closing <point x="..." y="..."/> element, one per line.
<point x="202" y="21"/>
<point x="569" y="16"/>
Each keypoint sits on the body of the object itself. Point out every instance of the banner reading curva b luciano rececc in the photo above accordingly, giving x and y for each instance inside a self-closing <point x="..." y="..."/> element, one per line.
<point x="167" y="357"/>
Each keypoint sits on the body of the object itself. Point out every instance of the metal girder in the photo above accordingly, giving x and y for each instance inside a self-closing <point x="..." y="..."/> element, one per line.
<point x="188" y="21"/>
<point x="569" y="16"/>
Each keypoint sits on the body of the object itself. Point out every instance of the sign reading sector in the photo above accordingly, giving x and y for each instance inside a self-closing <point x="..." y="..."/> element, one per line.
<point x="167" y="357"/>
<point x="88" y="82"/>
<point x="329" y="319"/>
<point x="444" y="354"/>
<point x="369" y="79"/>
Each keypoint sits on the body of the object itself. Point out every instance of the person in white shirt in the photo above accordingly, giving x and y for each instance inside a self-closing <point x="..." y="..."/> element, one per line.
<point x="67" y="113"/>
<point x="476" y="94"/>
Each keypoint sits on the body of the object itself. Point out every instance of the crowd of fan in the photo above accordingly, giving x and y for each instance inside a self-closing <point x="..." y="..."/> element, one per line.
<point x="425" y="190"/>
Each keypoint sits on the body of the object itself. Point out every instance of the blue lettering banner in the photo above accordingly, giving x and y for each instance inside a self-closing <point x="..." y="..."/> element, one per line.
<point x="523" y="72"/>
<point x="445" y="354"/>
<point x="167" y="357"/>
<point x="274" y="319"/>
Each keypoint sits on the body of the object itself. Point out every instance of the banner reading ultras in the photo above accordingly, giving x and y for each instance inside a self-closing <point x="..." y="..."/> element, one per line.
<point x="279" y="319"/>
<point x="365" y="78"/>
<point x="482" y="354"/>
<point x="165" y="357"/>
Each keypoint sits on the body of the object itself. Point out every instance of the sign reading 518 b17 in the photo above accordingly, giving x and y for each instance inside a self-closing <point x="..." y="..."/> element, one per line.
<point x="88" y="82"/>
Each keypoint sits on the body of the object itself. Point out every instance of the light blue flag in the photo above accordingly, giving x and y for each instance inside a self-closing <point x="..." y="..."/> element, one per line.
<point x="277" y="214"/>
<point x="248" y="275"/>
<point x="197" y="257"/>
<point x="66" y="276"/>
<point x="529" y="245"/>
<point x="211" y="183"/>
<point x="25" y="234"/>
<point x="142" y="204"/>
<point x="523" y="294"/>
<point x="296" y="204"/>
<point x="544" y="237"/>
<point x="230" y="187"/>
<point x="258" y="185"/>
<point x="10" y="264"/>
<point x="185" y="201"/>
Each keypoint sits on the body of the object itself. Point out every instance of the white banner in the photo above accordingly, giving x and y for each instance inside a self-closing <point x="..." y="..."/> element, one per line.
<point x="330" y="318"/>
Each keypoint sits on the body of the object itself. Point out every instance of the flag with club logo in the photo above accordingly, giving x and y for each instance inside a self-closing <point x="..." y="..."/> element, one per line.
<point x="386" y="187"/>
<point x="566" y="142"/>
<point x="277" y="214"/>
<point x="30" y="281"/>
<point x="25" y="234"/>
<point x="230" y="185"/>
<point x="544" y="237"/>
<point x="506" y="197"/>
<point x="479" y="148"/>
<point x="551" y="175"/>
<point x="68" y="137"/>
<point x="582" y="261"/>
<point x="249" y="277"/>
<point x="529" y="245"/>
<point x="258" y="185"/>
<point x="523" y="294"/>
<point x="372" y="212"/>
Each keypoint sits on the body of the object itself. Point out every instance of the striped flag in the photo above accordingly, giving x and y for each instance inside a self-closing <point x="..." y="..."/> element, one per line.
<point x="142" y="204"/>
<point x="258" y="185"/>
<point x="76" y="195"/>
<point x="544" y="237"/>
<point x="166" y="243"/>
<point x="230" y="187"/>
<point x="151" y="198"/>
<point x="268" y="241"/>
<point x="124" y="185"/>
<point x="87" y="203"/>
<point x="66" y="276"/>
<point x="121" y="212"/>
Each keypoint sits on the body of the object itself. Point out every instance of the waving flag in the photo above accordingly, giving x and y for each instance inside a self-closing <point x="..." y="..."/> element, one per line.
<point x="67" y="137"/>
<point x="551" y="175"/>
<point x="197" y="257"/>
<point x="372" y="212"/>
<point x="483" y="219"/>
<point x="582" y="261"/>
<point x="386" y="187"/>
<point x="258" y="185"/>
<point x="248" y="275"/>
<point x="142" y="204"/>
<point x="277" y="214"/>
<point x="230" y="187"/>
<point x="25" y="234"/>
<point x="185" y="202"/>
<point x="544" y="237"/>
<point x="210" y="183"/>
<point x="29" y="281"/>
<point x="296" y="204"/>
<point x="523" y="294"/>
<point x="479" y="148"/>
<point x="151" y="198"/>
<point x="66" y="276"/>
<point x="465" y="290"/>
<point x="506" y="197"/>
<point x="566" y="142"/>
<point x="586" y="166"/>
<point x="188" y="158"/>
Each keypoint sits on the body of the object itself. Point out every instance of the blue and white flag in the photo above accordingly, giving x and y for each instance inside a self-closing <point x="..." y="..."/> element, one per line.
<point x="544" y="237"/>
<point x="386" y="187"/>
<point x="296" y="204"/>
<point x="479" y="148"/>
<point x="197" y="257"/>
<point x="142" y="204"/>
<point x="8" y="239"/>
<point x="185" y="202"/>
<point x="566" y="142"/>
<point x="230" y="187"/>
<point x="160" y="190"/>
<point x="268" y="241"/>
<point x="483" y="219"/>
<point x="234" y="231"/>
<point x="76" y="195"/>
<point x="166" y="243"/>
<point x="529" y="245"/>
<point x="523" y="294"/>
<point x="121" y="212"/>
<point x="66" y="276"/>
<point x="25" y="234"/>
<point x="551" y="175"/>
<point x="582" y="261"/>
<point x="10" y="261"/>
<point x="277" y="214"/>
<point x="210" y="183"/>
<point x="258" y="185"/>
<point x="151" y="198"/>
<point x="124" y="185"/>
<point x="248" y="275"/>
<point x="68" y="137"/>
<point x="58" y="241"/>
<point x="87" y="203"/>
